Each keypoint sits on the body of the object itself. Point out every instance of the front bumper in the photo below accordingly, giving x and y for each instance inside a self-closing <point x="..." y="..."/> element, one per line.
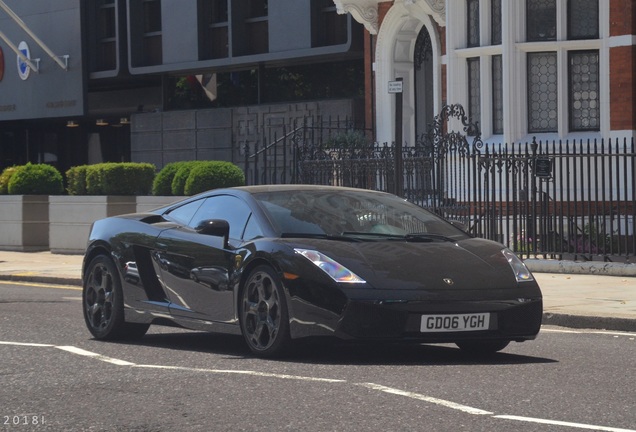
<point x="518" y="320"/>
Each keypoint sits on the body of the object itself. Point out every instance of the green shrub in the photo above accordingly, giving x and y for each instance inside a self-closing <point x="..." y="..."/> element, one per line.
<point x="93" y="180"/>
<point x="181" y="176"/>
<point x="162" y="184"/>
<point x="36" y="179"/>
<point x="76" y="180"/>
<point x="125" y="178"/>
<point x="213" y="175"/>
<point x="4" y="179"/>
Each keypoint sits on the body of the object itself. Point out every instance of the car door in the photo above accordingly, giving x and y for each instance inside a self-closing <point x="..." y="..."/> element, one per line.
<point x="196" y="269"/>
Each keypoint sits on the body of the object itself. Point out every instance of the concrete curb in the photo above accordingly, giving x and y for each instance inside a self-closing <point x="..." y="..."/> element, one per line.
<point x="589" y="322"/>
<point x="53" y="280"/>
<point x="581" y="267"/>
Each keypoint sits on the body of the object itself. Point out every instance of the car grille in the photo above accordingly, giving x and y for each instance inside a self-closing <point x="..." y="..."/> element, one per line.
<point x="369" y="320"/>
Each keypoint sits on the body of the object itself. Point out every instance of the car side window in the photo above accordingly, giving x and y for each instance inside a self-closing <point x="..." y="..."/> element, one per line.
<point x="252" y="230"/>
<point x="226" y="207"/>
<point x="184" y="213"/>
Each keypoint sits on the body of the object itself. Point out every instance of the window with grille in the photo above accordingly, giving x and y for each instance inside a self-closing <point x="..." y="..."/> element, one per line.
<point x="583" y="76"/>
<point x="583" y="19"/>
<point x="497" y="95"/>
<point x="541" y="22"/>
<point x="473" y="22"/>
<point x="553" y="67"/>
<point x="474" y="90"/>
<point x="495" y="22"/>
<point x="542" y="92"/>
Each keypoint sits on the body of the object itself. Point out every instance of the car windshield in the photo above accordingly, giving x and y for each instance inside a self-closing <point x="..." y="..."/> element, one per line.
<point x="351" y="213"/>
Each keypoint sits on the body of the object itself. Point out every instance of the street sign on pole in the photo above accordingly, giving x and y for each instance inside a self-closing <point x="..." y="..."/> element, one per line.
<point x="395" y="86"/>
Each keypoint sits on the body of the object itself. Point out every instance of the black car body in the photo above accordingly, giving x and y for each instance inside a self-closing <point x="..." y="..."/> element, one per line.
<point x="277" y="263"/>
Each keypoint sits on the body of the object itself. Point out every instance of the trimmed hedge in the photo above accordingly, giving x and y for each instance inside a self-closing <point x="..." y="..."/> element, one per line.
<point x="193" y="177"/>
<point x="4" y="179"/>
<point x="36" y="179"/>
<point x="125" y="178"/>
<point x="76" y="180"/>
<point x="162" y="185"/>
<point x="181" y="176"/>
<point x="212" y="175"/>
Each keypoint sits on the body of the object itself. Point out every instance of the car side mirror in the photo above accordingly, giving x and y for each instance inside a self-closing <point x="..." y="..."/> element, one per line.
<point x="215" y="227"/>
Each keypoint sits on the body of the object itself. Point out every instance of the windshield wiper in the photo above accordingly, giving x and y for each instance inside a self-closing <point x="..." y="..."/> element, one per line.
<point x="413" y="237"/>
<point x="428" y="237"/>
<point x="319" y="236"/>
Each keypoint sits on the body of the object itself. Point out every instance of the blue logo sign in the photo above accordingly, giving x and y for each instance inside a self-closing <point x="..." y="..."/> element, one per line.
<point x="23" y="68"/>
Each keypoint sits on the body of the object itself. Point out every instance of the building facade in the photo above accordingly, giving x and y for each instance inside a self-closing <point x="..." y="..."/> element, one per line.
<point x="162" y="80"/>
<point x="551" y="69"/>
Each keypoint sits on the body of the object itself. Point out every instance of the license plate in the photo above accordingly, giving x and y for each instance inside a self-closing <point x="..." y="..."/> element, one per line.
<point x="455" y="323"/>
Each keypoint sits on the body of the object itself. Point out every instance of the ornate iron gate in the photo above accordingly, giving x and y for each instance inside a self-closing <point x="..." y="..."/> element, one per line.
<point x="565" y="200"/>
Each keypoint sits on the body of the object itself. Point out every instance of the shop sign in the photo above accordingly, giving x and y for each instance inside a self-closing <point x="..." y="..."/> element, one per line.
<point x="23" y="69"/>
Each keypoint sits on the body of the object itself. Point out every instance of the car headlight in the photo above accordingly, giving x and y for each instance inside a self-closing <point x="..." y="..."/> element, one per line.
<point x="335" y="270"/>
<point x="518" y="267"/>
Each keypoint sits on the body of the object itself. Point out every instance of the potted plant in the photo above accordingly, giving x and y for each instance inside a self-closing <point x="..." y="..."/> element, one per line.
<point x="24" y="199"/>
<point x="95" y="192"/>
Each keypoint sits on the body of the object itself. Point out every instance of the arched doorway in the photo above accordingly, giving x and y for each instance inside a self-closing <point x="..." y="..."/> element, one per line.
<point x="424" y="96"/>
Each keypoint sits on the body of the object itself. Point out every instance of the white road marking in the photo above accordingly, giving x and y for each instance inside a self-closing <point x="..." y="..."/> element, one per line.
<point x="448" y="404"/>
<point x="99" y="357"/>
<point x="562" y="423"/>
<point x="26" y="344"/>
<point x="372" y="386"/>
<point x="244" y="372"/>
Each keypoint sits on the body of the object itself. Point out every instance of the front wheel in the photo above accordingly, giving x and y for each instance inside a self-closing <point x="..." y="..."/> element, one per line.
<point x="103" y="303"/>
<point x="263" y="313"/>
<point x="482" y="347"/>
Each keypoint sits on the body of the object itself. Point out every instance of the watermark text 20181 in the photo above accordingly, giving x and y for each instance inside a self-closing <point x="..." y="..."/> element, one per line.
<point x="23" y="420"/>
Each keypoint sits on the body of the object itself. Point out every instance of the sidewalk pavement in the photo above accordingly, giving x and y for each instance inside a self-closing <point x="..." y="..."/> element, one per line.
<point x="576" y="295"/>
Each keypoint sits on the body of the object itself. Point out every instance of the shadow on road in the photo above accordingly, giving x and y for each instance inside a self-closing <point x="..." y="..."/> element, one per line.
<point x="339" y="353"/>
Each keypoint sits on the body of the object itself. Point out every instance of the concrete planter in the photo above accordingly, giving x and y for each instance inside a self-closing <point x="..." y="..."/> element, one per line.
<point x="71" y="218"/>
<point x="147" y="203"/>
<point x="24" y="222"/>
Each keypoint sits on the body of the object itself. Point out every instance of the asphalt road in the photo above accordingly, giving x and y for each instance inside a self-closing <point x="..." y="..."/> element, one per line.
<point x="54" y="377"/>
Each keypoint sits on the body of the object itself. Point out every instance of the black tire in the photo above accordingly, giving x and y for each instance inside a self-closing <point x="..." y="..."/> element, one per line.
<point x="482" y="347"/>
<point x="263" y="313"/>
<point x="103" y="303"/>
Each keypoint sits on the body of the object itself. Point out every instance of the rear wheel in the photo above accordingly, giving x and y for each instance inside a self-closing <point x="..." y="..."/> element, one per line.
<point x="481" y="347"/>
<point x="263" y="313"/>
<point x="103" y="303"/>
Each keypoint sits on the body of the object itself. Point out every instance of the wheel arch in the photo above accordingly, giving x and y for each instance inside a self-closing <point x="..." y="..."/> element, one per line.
<point x="95" y="249"/>
<point x="249" y="267"/>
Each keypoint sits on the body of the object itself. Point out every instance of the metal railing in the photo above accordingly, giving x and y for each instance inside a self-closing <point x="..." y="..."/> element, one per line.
<point x="570" y="199"/>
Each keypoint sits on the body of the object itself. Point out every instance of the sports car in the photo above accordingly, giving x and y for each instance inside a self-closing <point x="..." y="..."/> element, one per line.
<point x="280" y="263"/>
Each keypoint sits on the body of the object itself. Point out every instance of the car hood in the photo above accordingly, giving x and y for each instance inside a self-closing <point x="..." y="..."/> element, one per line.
<point x="464" y="265"/>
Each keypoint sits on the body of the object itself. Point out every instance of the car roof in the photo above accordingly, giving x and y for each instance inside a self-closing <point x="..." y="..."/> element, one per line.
<point x="249" y="190"/>
<point x="299" y="187"/>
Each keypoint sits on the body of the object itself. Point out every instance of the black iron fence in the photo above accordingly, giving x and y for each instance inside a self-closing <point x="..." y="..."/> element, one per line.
<point x="569" y="199"/>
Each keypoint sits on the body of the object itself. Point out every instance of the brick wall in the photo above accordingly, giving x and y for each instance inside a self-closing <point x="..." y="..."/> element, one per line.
<point x="622" y="66"/>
